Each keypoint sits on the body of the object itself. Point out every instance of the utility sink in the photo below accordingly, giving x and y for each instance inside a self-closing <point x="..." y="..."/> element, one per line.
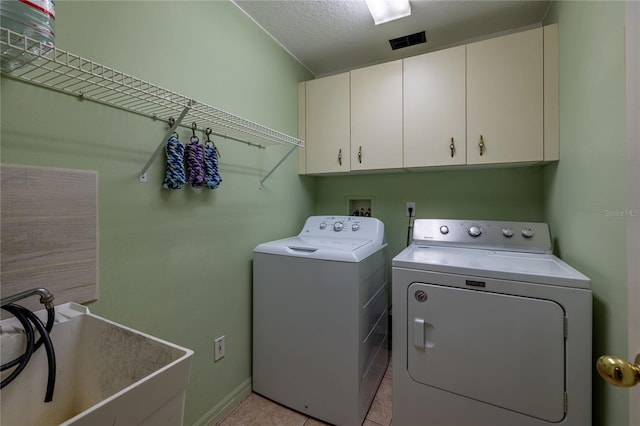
<point x="107" y="374"/>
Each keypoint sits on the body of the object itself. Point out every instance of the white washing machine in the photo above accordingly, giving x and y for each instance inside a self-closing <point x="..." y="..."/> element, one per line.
<point x="489" y="328"/>
<point x="320" y="305"/>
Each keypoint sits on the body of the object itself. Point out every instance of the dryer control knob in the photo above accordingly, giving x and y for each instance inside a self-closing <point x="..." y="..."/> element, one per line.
<point x="355" y="227"/>
<point x="338" y="226"/>
<point x="475" y="231"/>
<point x="527" y="233"/>
<point x="507" y="232"/>
<point x="323" y="225"/>
<point x="444" y="229"/>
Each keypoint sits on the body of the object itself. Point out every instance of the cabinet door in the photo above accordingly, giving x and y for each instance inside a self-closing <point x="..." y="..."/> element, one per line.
<point x="327" y="124"/>
<point x="376" y="117"/>
<point x="302" y="129"/>
<point x="505" y="99"/>
<point x="435" y="109"/>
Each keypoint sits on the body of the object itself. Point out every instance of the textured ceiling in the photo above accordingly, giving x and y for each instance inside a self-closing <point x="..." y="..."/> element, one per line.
<point x="331" y="36"/>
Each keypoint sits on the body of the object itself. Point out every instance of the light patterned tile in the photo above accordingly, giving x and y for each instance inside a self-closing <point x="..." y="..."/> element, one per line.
<point x="256" y="410"/>
<point x="380" y="411"/>
<point x="379" y="414"/>
<point x="388" y="372"/>
<point x="315" y="422"/>
<point x="384" y="391"/>
<point x="259" y="411"/>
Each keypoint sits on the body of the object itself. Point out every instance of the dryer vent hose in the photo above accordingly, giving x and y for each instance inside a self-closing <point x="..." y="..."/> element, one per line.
<point x="410" y="226"/>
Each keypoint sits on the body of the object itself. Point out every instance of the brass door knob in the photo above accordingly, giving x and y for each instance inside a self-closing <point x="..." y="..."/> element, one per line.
<point x="619" y="372"/>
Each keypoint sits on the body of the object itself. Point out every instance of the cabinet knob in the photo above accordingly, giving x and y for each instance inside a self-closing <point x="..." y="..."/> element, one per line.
<point x="360" y="155"/>
<point x="340" y="157"/>
<point x="452" y="147"/>
<point x="481" y="145"/>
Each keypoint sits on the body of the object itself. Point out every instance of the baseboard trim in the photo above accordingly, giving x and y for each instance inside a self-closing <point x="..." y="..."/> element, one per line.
<point x="227" y="404"/>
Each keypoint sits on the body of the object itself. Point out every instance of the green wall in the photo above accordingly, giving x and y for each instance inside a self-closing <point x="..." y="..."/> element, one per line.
<point x="583" y="191"/>
<point x="492" y="194"/>
<point x="175" y="264"/>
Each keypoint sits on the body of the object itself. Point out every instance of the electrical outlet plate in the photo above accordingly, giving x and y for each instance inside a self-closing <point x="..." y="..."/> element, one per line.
<point x="410" y="205"/>
<point x="218" y="349"/>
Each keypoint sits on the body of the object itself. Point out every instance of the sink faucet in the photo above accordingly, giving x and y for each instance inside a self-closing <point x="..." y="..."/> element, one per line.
<point x="46" y="298"/>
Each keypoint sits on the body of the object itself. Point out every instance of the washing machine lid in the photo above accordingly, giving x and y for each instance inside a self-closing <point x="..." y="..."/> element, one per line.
<point x="339" y="238"/>
<point x="341" y="250"/>
<point x="516" y="266"/>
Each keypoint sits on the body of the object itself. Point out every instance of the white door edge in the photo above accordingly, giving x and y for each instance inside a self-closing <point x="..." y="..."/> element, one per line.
<point x="632" y="25"/>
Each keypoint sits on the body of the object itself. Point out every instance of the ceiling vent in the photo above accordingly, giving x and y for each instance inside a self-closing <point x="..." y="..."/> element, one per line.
<point x="408" y="40"/>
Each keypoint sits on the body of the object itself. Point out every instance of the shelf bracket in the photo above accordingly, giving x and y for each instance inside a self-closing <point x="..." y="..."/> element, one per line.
<point x="277" y="165"/>
<point x="142" y="176"/>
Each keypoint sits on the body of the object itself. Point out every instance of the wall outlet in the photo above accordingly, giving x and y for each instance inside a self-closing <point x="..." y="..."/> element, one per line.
<point x="410" y="205"/>
<point x="218" y="349"/>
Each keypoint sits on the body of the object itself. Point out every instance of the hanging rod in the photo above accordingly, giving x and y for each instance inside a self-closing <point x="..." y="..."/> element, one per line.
<point x="47" y="66"/>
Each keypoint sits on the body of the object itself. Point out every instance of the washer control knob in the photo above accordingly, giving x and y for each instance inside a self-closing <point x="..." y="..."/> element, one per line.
<point x="355" y="227"/>
<point x="338" y="226"/>
<point x="507" y="232"/>
<point x="475" y="231"/>
<point x="527" y="233"/>
<point x="323" y="225"/>
<point x="444" y="229"/>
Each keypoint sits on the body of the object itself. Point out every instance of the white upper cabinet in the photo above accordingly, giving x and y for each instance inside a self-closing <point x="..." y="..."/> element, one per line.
<point x="376" y="117"/>
<point x="435" y="109"/>
<point x="505" y="90"/>
<point x="327" y="124"/>
<point x="490" y="102"/>
<point x="551" y="104"/>
<point x="302" y="127"/>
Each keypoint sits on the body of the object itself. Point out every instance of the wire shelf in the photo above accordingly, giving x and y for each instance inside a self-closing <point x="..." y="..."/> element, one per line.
<point x="41" y="64"/>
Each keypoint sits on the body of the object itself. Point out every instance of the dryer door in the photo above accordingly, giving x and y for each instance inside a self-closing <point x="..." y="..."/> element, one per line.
<point x="500" y="349"/>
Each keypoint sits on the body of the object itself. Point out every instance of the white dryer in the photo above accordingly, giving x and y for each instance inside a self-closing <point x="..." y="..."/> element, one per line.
<point x="320" y="309"/>
<point x="489" y="328"/>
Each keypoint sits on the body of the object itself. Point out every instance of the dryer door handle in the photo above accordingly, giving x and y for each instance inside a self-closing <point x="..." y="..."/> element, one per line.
<point x="422" y="334"/>
<point x="418" y="333"/>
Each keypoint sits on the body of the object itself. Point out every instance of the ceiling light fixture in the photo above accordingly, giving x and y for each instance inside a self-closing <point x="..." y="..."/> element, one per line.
<point x="388" y="10"/>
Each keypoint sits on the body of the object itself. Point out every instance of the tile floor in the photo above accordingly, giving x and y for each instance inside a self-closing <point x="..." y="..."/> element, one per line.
<point x="259" y="411"/>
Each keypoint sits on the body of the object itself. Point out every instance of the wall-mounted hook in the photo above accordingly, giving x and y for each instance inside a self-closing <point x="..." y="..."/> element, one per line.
<point x="208" y="132"/>
<point x="172" y="124"/>
<point x="194" y="127"/>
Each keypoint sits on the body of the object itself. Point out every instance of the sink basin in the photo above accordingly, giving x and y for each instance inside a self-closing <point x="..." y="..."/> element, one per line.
<point x="107" y="374"/>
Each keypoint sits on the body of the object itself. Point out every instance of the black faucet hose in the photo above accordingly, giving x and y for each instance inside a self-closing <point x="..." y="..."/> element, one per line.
<point x="23" y="359"/>
<point x="27" y="318"/>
